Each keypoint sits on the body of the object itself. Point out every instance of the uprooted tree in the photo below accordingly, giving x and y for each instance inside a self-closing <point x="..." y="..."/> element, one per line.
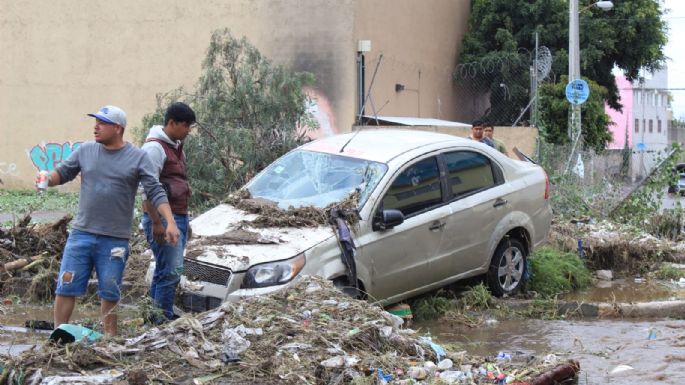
<point x="250" y="112"/>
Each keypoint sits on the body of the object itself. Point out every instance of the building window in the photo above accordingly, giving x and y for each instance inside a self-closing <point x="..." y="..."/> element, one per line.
<point x="644" y="125"/>
<point x="658" y="126"/>
<point x="637" y="125"/>
<point x="651" y="128"/>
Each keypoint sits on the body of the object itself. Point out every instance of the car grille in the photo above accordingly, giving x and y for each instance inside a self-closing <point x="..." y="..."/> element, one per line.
<point x="195" y="270"/>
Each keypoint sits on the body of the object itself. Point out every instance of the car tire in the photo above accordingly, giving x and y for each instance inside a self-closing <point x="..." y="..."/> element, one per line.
<point x="507" y="268"/>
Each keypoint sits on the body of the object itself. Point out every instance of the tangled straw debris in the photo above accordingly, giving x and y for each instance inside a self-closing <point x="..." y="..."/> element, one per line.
<point x="29" y="256"/>
<point x="310" y="333"/>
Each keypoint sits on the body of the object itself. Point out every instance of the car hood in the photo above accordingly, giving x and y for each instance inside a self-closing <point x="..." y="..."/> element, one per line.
<point x="224" y="236"/>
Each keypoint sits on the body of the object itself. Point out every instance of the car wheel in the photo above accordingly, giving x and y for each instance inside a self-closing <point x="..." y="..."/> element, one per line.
<point x="508" y="265"/>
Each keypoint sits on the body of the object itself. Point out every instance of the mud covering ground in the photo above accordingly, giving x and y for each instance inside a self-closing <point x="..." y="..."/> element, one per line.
<point x="309" y="334"/>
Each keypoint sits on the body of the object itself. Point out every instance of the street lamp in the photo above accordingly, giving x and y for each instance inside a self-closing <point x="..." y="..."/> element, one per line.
<point x="574" y="54"/>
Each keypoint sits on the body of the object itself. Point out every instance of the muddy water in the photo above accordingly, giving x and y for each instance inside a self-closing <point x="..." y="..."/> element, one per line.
<point x="600" y="346"/>
<point x="14" y="338"/>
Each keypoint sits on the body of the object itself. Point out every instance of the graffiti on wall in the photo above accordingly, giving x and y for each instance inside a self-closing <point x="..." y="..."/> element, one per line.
<point x="320" y="109"/>
<point x="8" y="169"/>
<point x="47" y="156"/>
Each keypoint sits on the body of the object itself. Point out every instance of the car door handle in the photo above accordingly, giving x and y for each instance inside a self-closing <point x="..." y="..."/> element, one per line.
<point x="499" y="202"/>
<point x="436" y="226"/>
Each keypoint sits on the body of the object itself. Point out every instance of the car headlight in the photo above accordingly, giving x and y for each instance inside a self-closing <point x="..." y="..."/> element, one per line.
<point x="273" y="273"/>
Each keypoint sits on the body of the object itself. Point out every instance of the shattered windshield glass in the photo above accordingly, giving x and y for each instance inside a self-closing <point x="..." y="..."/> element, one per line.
<point x="307" y="178"/>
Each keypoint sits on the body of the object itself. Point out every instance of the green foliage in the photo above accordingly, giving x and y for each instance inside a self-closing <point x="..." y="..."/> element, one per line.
<point x="249" y="111"/>
<point x="478" y="297"/>
<point x="669" y="272"/>
<point x="430" y="307"/>
<point x="554" y="272"/>
<point x="24" y="201"/>
<point x="631" y="36"/>
<point x="554" y="112"/>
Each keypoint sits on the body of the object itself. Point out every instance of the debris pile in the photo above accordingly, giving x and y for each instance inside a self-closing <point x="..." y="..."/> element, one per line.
<point x="29" y="256"/>
<point x="270" y="215"/>
<point x="608" y="245"/>
<point x="310" y="333"/>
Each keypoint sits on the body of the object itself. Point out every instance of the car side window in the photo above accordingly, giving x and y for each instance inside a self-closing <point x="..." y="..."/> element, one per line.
<point x="469" y="171"/>
<point x="416" y="189"/>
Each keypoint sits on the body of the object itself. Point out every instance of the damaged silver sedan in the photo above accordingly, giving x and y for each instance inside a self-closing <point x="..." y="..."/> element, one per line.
<point x="431" y="209"/>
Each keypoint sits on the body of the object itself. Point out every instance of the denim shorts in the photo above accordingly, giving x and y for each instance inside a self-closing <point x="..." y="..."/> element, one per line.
<point x="84" y="251"/>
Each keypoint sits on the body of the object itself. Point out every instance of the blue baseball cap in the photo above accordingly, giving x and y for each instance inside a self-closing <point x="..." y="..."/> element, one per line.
<point x="111" y="114"/>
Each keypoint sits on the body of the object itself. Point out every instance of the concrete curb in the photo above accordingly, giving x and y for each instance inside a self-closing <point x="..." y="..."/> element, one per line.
<point x="655" y="309"/>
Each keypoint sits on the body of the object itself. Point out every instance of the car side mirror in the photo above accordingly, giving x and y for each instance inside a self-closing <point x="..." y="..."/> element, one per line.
<point x="387" y="219"/>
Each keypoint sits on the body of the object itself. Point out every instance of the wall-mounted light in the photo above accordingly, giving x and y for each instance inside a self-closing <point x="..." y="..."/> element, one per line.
<point x="399" y="87"/>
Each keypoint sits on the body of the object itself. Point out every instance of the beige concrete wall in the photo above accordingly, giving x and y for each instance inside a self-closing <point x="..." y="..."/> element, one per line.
<point x="65" y="58"/>
<point x="420" y="42"/>
<point x="523" y="138"/>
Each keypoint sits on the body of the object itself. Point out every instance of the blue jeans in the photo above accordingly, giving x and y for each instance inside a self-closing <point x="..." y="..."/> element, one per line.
<point x="168" y="264"/>
<point x="84" y="251"/>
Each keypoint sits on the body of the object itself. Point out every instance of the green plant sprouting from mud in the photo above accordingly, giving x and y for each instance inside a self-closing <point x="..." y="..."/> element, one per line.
<point x="554" y="271"/>
<point x="478" y="297"/>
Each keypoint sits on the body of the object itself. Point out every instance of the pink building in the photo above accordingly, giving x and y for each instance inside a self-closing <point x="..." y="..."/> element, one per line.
<point x="623" y="122"/>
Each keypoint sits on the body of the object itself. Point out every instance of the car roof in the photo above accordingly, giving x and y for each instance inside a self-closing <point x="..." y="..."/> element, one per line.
<point x="380" y="145"/>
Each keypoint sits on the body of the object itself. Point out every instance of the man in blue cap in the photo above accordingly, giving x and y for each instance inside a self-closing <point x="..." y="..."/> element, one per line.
<point x="111" y="170"/>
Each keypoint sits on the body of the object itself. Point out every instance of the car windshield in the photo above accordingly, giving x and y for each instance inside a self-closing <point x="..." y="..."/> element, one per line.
<point x="307" y="178"/>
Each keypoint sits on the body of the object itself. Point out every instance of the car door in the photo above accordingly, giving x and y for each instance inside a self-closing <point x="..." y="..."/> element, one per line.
<point x="477" y="201"/>
<point x="399" y="256"/>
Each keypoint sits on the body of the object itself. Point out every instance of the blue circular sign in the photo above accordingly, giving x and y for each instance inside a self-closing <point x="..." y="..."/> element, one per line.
<point x="577" y="91"/>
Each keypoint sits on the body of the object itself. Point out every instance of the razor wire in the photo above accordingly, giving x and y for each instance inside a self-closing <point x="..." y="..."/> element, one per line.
<point x="500" y="87"/>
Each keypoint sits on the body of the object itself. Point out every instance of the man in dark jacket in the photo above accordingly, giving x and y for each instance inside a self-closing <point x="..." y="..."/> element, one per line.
<point x="164" y="146"/>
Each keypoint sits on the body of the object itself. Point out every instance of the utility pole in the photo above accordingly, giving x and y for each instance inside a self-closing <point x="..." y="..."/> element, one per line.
<point x="573" y="64"/>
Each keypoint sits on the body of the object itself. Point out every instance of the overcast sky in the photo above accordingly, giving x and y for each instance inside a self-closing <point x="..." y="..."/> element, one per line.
<point x="675" y="51"/>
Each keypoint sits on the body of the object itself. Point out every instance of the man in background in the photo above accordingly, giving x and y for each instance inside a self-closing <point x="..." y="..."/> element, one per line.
<point x="477" y="129"/>
<point x="489" y="132"/>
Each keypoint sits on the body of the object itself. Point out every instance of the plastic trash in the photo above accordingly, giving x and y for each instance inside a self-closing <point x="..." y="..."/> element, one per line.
<point x="430" y="367"/>
<point x="445" y="364"/>
<point x="417" y="373"/>
<point x="502" y="356"/>
<point x="681" y="282"/>
<point x="452" y="376"/>
<point x="234" y="344"/>
<point x="621" y="369"/>
<point x="652" y="334"/>
<point x="334" y="362"/>
<point x="68" y="333"/>
<point x="382" y="377"/>
<point x="439" y="351"/>
<point x="638" y="279"/>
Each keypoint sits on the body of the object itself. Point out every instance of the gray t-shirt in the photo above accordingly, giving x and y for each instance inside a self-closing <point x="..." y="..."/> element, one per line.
<point x="109" y="181"/>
